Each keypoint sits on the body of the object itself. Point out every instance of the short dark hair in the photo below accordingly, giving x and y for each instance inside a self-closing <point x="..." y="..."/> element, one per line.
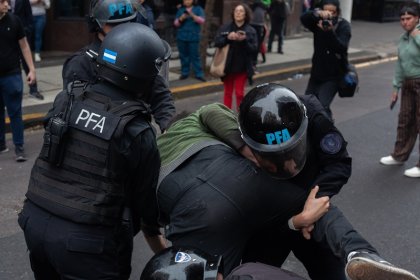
<point x="411" y="8"/>
<point x="248" y="12"/>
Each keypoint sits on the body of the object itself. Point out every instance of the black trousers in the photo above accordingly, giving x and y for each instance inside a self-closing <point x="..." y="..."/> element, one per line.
<point x="325" y="91"/>
<point x="324" y="255"/>
<point x="61" y="249"/>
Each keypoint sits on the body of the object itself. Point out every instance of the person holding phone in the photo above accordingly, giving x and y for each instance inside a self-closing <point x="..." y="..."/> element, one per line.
<point x="407" y="79"/>
<point x="243" y="44"/>
<point x="188" y="20"/>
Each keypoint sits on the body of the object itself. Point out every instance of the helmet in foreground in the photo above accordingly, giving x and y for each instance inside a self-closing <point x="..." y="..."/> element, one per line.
<point x="181" y="263"/>
<point x="131" y="56"/>
<point x="273" y="123"/>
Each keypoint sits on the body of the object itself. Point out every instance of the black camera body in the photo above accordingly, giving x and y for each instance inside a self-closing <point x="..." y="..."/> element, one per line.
<point x="329" y="22"/>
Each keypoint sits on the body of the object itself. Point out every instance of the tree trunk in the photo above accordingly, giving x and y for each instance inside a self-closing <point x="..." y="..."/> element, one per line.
<point x="208" y="12"/>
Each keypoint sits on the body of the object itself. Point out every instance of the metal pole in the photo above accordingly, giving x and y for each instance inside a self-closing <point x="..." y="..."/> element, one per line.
<point x="346" y="8"/>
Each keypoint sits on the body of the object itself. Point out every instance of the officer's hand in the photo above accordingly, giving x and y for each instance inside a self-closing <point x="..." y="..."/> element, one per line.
<point x="314" y="208"/>
<point x="306" y="231"/>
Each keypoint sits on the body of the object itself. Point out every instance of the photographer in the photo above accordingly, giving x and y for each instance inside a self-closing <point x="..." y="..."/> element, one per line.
<point x="331" y="40"/>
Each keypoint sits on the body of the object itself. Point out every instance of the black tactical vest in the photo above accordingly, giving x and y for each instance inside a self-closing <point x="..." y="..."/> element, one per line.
<point x="89" y="185"/>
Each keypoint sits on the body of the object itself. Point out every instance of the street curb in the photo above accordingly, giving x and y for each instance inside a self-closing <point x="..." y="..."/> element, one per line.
<point x="267" y="73"/>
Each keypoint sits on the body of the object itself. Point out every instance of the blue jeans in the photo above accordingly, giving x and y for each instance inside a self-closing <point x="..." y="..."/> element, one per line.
<point x="39" y="25"/>
<point x="11" y="91"/>
<point x="189" y="54"/>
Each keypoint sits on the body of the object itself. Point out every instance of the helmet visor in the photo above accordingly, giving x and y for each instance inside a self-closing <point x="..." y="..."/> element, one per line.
<point x="289" y="157"/>
<point x="288" y="163"/>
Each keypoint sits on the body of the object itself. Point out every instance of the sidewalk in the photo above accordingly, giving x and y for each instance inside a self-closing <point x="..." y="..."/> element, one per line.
<point x="370" y="41"/>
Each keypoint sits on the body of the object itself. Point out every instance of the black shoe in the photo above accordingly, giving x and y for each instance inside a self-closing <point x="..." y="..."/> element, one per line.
<point x="201" y="79"/>
<point x="183" y="77"/>
<point x="20" y="154"/>
<point x="369" y="266"/>
<point x="3" y="149"/>
<point x="36" y="95"/>
<point x="280" y="52"/>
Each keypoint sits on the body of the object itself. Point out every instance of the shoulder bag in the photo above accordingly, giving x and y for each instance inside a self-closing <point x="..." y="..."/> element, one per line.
<point x="217" y="67"/>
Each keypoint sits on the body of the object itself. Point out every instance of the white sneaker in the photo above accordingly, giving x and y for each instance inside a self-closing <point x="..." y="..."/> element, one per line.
<point x="368" y="266"/>
<point x="413" y="172"/>
<point x="389" y="160"/>
<point x="37" y="57"/>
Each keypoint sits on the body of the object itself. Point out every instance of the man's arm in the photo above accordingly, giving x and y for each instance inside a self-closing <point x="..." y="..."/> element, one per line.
<point x="222" y="123"/>
<point x="27" y="55"/>
<point x="162" y="103"/>
<point x="333" y="162"/>
<point x="78" y="67"/>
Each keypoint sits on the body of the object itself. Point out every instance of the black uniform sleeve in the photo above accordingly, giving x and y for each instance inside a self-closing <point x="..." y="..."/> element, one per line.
<point x="162" y="103"/>
<point x="331" y="150"/>
<point x="78" y="67"/>
<point x="144" y="162"/>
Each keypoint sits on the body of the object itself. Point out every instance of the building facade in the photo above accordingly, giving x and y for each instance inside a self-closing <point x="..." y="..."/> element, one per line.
<point x="66" y="28"/>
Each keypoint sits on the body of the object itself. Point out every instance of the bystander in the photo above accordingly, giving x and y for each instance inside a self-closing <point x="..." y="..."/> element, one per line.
<point x="22" y="8"/>
<point x="407" y="78"/>
<point x="39" y="8"/>
<point x="12" y="41"/>
<point x="188" y="21"/>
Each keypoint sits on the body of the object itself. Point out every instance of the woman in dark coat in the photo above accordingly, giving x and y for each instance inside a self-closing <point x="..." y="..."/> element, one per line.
<point x="243" y="44"/>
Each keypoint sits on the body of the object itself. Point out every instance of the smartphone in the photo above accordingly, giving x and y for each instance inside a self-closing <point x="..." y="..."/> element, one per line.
<point x="392" y="104"/>
<point x="241" y="32"/>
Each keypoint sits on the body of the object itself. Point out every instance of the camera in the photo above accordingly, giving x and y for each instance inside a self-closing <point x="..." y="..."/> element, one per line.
<point x="326" y="23"/>
<point x="329" y="22"/>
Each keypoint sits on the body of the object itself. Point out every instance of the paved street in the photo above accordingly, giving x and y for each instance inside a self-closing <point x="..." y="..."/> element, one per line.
<point x="380" y="202"/>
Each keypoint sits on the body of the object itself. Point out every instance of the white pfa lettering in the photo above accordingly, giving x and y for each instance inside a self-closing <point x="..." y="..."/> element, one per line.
<point x="93" y="118"/>
<point x="84" y="114"/>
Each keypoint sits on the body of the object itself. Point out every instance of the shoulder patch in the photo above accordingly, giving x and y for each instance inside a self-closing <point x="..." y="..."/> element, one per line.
<point x="331" y="143"/>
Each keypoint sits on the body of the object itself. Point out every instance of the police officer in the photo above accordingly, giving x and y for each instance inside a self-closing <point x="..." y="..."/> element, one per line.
<point x="93" y="185"/>
<point x="103" y="16"/>
<point x="320" y="158"/>
<point x="212" y="199"/>
<point x="184" y="263"/>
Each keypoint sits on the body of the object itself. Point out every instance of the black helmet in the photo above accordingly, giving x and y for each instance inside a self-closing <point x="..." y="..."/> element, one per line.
<point x="112" y="11"/>
<point x="181" y="263"/>
<point x="131" y="56"/>
<point x="273" y="123"/>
